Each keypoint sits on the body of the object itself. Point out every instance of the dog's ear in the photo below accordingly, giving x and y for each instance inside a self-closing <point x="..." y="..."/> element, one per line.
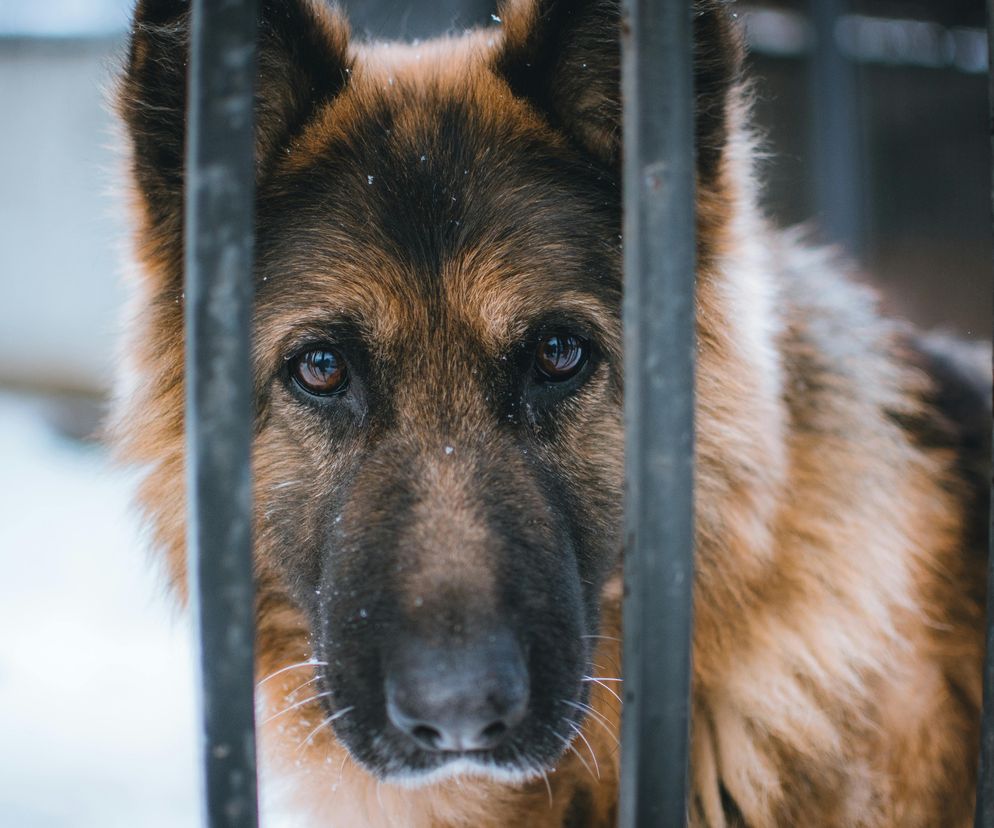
<point x="565" y="57"/>
<point x="303" y="61"/>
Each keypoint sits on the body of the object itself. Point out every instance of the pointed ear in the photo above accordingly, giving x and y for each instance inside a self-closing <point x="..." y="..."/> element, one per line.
<point x="565" y="57"/>
<point x="302" y="62"/>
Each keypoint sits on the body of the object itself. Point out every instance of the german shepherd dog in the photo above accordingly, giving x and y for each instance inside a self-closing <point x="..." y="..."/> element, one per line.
<point x="438" y="444"/>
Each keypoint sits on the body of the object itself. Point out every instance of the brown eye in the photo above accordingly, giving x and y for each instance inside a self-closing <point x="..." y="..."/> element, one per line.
<point x="321" y="371"/>
<point x="560" y="357"/>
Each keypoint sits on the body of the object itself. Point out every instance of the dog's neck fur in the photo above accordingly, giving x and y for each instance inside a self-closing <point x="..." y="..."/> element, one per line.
<point x="809" y="392"/>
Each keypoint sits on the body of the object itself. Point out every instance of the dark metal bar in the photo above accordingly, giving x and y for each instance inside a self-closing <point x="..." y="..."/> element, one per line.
<point x="836" y="146"/>
<point x="219" y="407"/>
<point x="659" y="259"/>
<point x="984" y="815"/>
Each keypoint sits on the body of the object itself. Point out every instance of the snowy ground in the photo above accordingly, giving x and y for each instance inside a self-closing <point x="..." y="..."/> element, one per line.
<point x="96" y="689"/>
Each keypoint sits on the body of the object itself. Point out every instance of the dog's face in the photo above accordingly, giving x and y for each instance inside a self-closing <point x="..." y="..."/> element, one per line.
<point x="437" y="357"/>
<point x="438" y="446"/>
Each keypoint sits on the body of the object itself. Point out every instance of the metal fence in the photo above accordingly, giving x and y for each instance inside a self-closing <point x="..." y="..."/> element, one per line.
<point x="220" y="194"/>
<point x="985" y="782"/>
<point x="659" y="265"/>
<point x="659" y="406"/>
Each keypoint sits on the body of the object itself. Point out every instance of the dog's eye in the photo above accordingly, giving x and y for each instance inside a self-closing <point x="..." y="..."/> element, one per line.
<point x="560" y="357"/>
<point x="322" y="371"/>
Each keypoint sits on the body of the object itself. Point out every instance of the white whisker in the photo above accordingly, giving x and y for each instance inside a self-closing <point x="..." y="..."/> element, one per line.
<point x="309" y="663"/>
<point x="295" y="706"/>
<point x="569" y="746"/>
<point x="586" y="709"/>
<point x="579" y="732"/>
<point x="548" y="787"/>
<point x="596" y="714"/>
<point x="533" y="769"/>
<point x="289" y="696"/>
<point x="615" y="667"/>
<point x="601" y="683"/>
<point x="337" y="715"/>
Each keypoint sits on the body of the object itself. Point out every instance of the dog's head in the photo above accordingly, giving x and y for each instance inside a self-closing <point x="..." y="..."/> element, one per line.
<point x="438" y="445"/>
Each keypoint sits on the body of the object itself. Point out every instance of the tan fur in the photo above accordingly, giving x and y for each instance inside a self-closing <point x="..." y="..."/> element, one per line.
<point x="836" y="664"/>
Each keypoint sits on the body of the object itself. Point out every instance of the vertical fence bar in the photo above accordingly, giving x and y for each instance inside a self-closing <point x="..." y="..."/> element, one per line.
<point x="984" y="817"/>
<point x="835" y="137"/>
<point x="219" y="230"/>
<point x="659" y="261"/>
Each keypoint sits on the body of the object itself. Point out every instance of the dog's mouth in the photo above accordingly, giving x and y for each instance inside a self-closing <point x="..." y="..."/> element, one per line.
<point x="479" y="765"/>
<point x="529" y="751"/>
<point x="490" y="702"/>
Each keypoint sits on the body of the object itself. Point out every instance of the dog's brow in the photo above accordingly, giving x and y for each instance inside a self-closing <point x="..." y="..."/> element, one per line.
<point x="508" y="317"/>
<point x="503" y="301"/>
<point x="324" y="303"/>
<point x="333" y="328"/>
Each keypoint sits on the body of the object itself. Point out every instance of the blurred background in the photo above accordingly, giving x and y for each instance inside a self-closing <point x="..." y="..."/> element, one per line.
<point x="874" y="116"/>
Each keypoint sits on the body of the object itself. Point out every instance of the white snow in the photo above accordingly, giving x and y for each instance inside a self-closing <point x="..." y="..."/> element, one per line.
<point x="97" y="723"/>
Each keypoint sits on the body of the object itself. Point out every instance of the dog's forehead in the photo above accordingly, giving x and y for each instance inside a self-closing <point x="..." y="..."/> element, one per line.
<point x="421" y="197"/>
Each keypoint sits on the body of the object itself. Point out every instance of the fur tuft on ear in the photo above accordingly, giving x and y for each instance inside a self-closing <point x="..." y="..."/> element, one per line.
<point x="719" y="55"/>
<point x="303" y="62"/>
<point x="565" y="57"/>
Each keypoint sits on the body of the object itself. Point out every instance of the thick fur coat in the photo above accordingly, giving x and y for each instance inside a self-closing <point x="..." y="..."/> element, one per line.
<point x="430" y="218"/>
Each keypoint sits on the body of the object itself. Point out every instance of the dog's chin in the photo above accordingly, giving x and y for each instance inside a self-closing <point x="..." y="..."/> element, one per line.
<point x="464" y="767"/>
<point x="421" y="769"/>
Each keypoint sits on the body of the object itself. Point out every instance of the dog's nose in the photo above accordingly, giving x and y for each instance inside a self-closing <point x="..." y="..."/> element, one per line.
<point x="460" y="698"/>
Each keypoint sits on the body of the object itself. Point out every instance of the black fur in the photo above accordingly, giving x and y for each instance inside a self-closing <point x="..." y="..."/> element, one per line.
<point x="299" y="68"/>
<point x="955" y="418"/>
<point x="580" y="813"/>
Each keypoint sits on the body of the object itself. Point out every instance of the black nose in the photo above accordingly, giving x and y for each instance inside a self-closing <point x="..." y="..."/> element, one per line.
<point x="458" y="698"/>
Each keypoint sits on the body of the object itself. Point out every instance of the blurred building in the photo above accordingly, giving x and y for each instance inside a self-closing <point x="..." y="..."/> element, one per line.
<point x="59" y="224"/>
<point x="916" y="165"/>
<point x="898" y="86"/>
